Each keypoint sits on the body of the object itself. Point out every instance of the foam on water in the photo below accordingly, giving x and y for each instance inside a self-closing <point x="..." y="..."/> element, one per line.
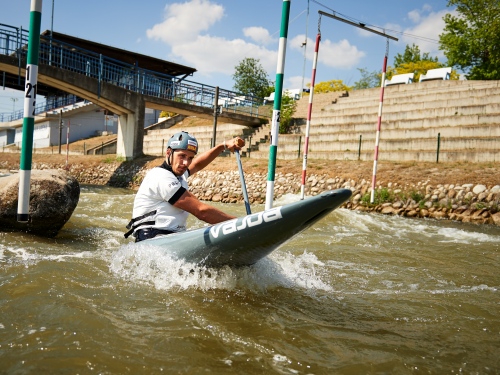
<point x="461" y="236"/>
<point x="26" y="256"/>
<point x="151" y="265"/>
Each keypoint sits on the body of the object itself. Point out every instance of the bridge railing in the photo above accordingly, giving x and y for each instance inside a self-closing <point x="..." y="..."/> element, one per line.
<point x="14" y="41"/>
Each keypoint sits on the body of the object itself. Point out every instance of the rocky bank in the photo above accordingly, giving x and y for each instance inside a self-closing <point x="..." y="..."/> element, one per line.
<point x="467" y="202"/>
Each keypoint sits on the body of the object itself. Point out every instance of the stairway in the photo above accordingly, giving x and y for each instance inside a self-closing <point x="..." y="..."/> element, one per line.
<point x="462" y="117"/>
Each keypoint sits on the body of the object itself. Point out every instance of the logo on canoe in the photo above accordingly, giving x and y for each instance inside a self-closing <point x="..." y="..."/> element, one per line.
<point x="246" y="222"/>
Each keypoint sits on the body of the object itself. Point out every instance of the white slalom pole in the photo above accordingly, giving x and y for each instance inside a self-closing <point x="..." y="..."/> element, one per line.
<point x="309" y="113"/>
<point x="278" y="92"/>
<point x="29" y="112"/>
<point x="379" y="125"/>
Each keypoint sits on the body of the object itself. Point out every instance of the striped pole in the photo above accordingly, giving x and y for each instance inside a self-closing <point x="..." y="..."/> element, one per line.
<point x="309" y="112"/>
<point x="379" y="124"/>
<point x="278" y="92"/>
<point x="29" y="111"/>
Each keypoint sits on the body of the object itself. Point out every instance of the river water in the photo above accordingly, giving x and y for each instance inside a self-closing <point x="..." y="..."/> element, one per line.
<point x="355" y="294"/>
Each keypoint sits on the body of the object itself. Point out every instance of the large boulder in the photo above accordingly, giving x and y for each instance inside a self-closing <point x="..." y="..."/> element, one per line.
<point x="54" y="195"/>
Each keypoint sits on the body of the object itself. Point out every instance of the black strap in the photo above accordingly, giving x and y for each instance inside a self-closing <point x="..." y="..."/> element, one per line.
<point x="146" y="233"/>
<point x="129" y="225"/>
<point x="132" y="227"/>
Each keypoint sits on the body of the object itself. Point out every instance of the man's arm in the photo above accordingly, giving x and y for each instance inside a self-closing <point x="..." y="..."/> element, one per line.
<point x="204" y="159"/>
<point x="209" y="214"/>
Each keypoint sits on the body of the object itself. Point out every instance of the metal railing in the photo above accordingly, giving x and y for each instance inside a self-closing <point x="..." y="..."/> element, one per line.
<point x="14" y="41"/>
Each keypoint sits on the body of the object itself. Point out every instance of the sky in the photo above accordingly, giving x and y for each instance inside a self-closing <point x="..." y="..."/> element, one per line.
<point x="214" y="36"/>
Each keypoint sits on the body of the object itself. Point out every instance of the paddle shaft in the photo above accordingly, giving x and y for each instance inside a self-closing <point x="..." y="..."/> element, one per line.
<point x="243" y="184"/>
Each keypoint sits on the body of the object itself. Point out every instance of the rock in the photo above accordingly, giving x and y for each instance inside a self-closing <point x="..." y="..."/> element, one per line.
<point x="388" y="210"/>
<point x="478" y="189"/>
<point x="54" y="195"/>
<point x="496" y="218"/>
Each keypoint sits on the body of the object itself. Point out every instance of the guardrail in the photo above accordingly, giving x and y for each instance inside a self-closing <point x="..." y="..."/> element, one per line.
<point x="14" y="41"/>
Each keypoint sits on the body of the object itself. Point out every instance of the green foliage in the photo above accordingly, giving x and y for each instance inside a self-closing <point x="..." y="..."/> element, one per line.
<point x="288" y="106"/>
<point x="382" y="195"/>
<point x="418" y="68"/>
<point x="471" y="39"/>
<point x="250" y="78"/>
<point x="368" y="79"/>
<point x="416" y="196"/>
<point x="331" y="86"/>
<point x="413" y="61"/>
<point x="112" y="159"/>
<point x="167" y="114"/>
<point x="412" y="55"/>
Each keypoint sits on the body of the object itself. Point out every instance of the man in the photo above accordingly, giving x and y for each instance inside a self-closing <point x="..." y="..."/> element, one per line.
<point x="163" y="202"/>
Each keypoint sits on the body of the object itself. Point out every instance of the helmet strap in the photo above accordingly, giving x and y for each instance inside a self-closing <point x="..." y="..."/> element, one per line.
<point x="169" y="162"/>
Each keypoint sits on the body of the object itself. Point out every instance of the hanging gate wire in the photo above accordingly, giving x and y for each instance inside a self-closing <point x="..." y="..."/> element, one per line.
<point x="379" y="124"/>
<point x="309" y="110"/>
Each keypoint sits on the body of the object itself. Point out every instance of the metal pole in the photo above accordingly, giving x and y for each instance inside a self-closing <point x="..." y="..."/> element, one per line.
<point x="359" y="148"/>
<point x="60" y="130"/>
<point x="243" y="184"/>
<point x="439" y="146"/>
<point x="67" y="144"/>
<point x="305" y="49"/>
<point x="298" y="152"/>
<point x="29" y="111"/>
<point x="216" y="106"/>
<point x="51" y="33"/>
<point x="278" y="91"/>
<point x="379" y="124"/>
<point x="309" y="112"/>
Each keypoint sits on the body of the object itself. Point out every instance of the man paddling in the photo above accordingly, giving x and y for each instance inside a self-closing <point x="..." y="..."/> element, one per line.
<point x="163" y="202"/>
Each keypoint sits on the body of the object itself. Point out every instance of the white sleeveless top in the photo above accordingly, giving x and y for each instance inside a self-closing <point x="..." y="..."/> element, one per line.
<point x="158" y="188"/>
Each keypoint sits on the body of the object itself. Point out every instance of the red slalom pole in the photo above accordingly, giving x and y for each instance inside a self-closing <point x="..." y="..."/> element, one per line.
<point x="379" y="124"/>
<point x="309" y="113"/>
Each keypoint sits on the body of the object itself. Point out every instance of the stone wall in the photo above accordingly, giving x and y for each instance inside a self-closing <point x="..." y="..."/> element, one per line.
<point x="467" y="202"/>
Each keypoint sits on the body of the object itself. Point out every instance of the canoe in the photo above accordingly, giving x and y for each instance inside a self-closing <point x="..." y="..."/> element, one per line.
<point x="247" y="239"/>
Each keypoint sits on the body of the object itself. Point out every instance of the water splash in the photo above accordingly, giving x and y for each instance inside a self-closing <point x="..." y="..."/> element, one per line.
<point x="152" y="265"/>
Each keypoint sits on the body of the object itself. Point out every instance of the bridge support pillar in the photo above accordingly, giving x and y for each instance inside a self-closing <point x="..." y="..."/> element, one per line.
<point x="131" y="132"/>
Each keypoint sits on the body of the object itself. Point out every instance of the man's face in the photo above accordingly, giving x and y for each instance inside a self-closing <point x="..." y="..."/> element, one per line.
<point x="181" y="160"/>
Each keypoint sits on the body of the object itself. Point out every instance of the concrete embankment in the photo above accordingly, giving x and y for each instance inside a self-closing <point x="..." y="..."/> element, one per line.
<point x="475" y="203"/>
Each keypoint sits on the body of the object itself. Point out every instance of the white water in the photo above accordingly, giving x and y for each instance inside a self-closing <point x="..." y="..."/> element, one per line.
<point x="357" y="293"/>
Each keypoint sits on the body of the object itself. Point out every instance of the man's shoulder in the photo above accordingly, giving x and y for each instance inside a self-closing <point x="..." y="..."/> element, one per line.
<point x="158" y="172"/>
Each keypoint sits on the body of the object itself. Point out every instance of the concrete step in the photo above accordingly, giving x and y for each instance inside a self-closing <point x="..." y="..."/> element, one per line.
<point x="425" y="100"/>
<point x="291" y="144"/>
<point x="487" y="105"/>
<point x="429" y="87"/>
<point x="472" y="156"/>
<point x="465" y="120"/>
<point x="451" y="114"/>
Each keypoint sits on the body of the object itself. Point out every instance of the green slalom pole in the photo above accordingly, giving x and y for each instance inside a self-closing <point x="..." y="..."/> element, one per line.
<point x="278" y="91"/>
<point x="29" y="111"/>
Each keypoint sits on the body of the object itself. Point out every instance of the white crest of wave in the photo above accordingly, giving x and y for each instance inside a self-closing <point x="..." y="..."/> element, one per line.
<point x="152" y="265"/>
<point x="462" y="236"/>
<point x="286" y="199"/>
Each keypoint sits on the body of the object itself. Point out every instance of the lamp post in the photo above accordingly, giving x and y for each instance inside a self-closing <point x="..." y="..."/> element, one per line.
<point x="304" y="44"/>
<point x="14" y="100"/>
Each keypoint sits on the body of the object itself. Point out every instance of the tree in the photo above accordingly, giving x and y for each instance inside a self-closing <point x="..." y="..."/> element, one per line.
<point x="330" y="86"/>
<point x="368" y="80"/>
<point x="288" y="106"/>
<point x="412" y="55"/>
<point x="471" y="40"/>
<point x="413" y="61"/>
<point x="250" y="78"/>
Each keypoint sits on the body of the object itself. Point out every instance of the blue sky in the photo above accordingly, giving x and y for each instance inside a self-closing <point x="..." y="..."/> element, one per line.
<point x="213" y="36"/>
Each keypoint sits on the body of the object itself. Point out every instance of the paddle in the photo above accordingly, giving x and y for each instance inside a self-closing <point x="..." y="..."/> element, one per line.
<point x="243" y="185"/>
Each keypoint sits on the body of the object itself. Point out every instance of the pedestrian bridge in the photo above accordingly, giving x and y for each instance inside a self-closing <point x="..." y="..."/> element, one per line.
<point x="121" y="87"/>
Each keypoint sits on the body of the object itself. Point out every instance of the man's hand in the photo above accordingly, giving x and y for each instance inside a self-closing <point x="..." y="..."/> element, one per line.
<point x="234" y="144"/>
